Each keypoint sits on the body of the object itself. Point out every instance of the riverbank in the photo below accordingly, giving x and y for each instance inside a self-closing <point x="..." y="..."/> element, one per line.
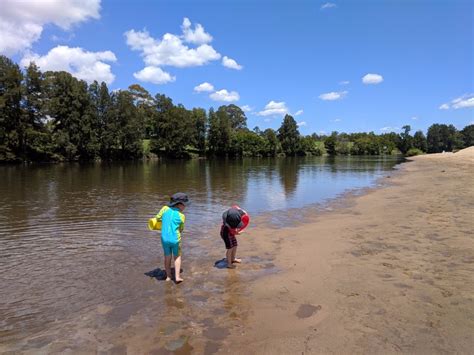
<point x="390" y="272"/>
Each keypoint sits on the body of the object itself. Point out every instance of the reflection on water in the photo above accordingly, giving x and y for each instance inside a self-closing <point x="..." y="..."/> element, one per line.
<point x="74" y="236"/>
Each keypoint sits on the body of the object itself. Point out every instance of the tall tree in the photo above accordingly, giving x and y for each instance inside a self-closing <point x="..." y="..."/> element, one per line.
<point x="419" y="141"/>
<point x="12" y="129"/>
<point x="199" y="122"/>
<point x="236" y="116"/>
<point x="405" y="141"/>
<point x="289" y="136"/>
<point x="468" y="135"/>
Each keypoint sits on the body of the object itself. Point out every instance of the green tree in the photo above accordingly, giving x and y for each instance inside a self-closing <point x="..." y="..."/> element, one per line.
<point x="468" y="135"/>
<point x="289" y="136"/>
<point x="272" y="144"/>
<point x="236" y="116"/>
<point x="442" y="137"/>
<point x="330" y="143"/>
<point x="199" y="124"/>
<point x="420" y="142"/>
<point x="12" y="129"/>
<point x="406" y="141"/>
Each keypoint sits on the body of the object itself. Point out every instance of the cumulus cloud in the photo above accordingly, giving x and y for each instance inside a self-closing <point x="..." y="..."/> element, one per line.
<point x="301" y="124"/>
<point x="274" y="108"/>
<point x="328" y="5"/>
<point x="225" y="96"/>
<point x="299" y="112"/>
<point x="246" y="108"/>
<point x="332" y="96"/>
<point x="154" y="75"/>
<point x="22" y="22"/>
<point x="189" y="49"/>
<point x="170" y="50"/>
<point x="204" y="87"/>
<point x="85" y="65"/>
<point x="230" y="63"/>
<point x="196" y="36"/>
<point x="465" y="101"/>
<point x="372" y="79"/>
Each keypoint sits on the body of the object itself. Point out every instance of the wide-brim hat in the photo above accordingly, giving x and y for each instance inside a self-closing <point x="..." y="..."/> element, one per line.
<point x="179" y="197"/>
<point x="233" y="218"/>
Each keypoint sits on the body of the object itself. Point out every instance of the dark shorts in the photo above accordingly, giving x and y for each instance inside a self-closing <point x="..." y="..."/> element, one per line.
<point x="229" y="239"/>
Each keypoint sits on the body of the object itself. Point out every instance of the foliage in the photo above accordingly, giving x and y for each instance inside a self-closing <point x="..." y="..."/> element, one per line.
<point x="53" y="116"/>
<point x="414" y="151"/>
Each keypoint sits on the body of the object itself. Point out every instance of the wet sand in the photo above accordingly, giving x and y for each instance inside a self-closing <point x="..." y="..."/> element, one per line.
<point x="391" y="272"/>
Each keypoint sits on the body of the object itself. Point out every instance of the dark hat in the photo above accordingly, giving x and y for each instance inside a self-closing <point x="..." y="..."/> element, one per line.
<point x="179" y="197"/>
<point x="233" y="218"/>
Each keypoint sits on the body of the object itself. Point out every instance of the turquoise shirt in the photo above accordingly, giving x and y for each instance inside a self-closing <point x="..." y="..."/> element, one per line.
<point x="172" y="221"/>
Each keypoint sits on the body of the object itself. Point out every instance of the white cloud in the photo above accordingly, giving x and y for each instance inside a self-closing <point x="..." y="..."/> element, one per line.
<point x="328" y="5"/>
<point x="390" y="129"/>
<point x="274" y="108"/>
<point x="414" y="118"/>
<point x="230" y="63"/>
<point x="345" y="82"/>
<point x="83" y="64"/>
<point x="22" y="22"/>
<point x="204" y="87"/>
<point x="301" y="124"/>
<point x="170" y="50"/>
<point x="198" y="36"/>
<point x="372" y="79"/>
<point x="322" y="132"/>
<point x="246" y="108"/>
<point x="332" y="96"/>
<point x="299" y="112"/>
<point x="336" y="120"/>
<point x="154" y="75"/>
<point x="224" y="95"/>
<point x="465" y="101"/>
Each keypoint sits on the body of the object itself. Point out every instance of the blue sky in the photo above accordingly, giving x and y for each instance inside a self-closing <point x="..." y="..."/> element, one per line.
<point x="306" y="58"/>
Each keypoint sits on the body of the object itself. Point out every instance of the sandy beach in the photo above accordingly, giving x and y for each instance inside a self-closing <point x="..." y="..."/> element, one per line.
<point x="389" y="272"/>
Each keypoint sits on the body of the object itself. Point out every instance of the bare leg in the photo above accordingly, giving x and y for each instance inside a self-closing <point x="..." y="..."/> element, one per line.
<point x="234" y="259"/>
<point x="168" y="267"/>
<point x="177" y="269"/>
<point x="229" y="258"/>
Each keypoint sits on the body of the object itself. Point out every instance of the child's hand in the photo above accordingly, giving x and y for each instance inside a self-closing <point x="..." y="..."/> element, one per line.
<point x="240" y="232"/>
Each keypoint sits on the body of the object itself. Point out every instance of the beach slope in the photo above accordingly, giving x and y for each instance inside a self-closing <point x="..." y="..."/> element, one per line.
<point x="390" y="271"/>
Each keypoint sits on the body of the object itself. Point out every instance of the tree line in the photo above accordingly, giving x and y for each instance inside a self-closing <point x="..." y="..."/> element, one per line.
<point x="53" y="116"/>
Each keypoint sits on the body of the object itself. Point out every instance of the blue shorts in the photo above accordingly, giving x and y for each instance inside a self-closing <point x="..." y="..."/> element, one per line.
<point x="171" y="248"/>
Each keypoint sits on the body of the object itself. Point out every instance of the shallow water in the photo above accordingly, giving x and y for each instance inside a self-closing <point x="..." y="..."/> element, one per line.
<point x="74" y="244"/>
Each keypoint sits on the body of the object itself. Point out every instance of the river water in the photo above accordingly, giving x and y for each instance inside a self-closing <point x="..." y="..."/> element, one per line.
<point x="74" y="245"/>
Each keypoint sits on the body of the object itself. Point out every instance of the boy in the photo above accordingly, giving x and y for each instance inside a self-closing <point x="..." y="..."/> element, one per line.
<point x="232" y="225"/>
<point x="172" y="219"/>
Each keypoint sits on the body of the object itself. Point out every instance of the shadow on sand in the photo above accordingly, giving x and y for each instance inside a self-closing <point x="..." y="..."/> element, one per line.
<point x="160" y="274"/>
<point x="221" y="263"/>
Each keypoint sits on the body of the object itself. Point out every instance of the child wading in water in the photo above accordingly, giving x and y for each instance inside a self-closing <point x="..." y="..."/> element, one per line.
<point x="232" y="225"/>
<point x="172" y="219"/>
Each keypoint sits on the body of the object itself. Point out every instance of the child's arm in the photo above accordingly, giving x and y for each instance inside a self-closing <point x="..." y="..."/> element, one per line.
<point x="160" y="214"/>
<point x="183" y="219"/>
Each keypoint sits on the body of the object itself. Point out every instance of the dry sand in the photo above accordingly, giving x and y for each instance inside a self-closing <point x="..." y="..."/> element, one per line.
<point x="391" y="272"/>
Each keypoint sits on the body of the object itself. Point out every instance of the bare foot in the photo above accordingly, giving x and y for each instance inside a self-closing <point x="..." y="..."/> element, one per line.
<point x="178" y="281"/>
<point x="168" y="278"/>
<point x="237" y="261"/>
